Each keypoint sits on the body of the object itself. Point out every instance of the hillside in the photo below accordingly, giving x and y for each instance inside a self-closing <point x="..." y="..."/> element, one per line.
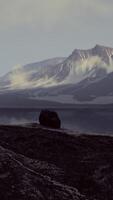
<point x="39" y="163"/>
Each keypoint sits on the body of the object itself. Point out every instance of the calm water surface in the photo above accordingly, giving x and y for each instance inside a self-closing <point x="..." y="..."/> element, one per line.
<point x="84" y="120"/>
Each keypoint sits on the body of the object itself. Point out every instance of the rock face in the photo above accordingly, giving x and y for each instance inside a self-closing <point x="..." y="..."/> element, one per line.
<point x="49" y="119"/>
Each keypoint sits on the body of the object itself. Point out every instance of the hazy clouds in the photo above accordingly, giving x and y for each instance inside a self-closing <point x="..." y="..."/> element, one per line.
<point x="33" y="30"/>
<point x="48" y="13"/>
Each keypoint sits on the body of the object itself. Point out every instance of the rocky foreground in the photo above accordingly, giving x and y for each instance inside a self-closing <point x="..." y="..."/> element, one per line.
<point x="41" y="164"/>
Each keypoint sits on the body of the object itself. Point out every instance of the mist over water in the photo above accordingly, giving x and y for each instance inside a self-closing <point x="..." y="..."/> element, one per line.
<point x="83" y="120"/>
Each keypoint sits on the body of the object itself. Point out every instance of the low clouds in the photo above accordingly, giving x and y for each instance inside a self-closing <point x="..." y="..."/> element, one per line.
<point x="19" y="78"/>
<point x="91" y="62"/>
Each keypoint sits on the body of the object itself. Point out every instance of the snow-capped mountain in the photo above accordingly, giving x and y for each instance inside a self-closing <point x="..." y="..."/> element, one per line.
<point x="66" y="80"/>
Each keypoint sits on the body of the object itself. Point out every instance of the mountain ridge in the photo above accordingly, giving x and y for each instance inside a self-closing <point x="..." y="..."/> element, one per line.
<point x="62" y="79"/>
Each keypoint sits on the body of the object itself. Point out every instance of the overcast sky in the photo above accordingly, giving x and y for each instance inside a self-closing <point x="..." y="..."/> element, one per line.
<point x="33" y="30"/>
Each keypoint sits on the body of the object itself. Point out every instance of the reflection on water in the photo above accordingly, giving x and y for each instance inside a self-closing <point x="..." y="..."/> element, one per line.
<point x="85" y="120"/>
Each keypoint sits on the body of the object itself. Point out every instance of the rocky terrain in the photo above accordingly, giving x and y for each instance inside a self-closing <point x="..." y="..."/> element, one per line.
<point x="44" y="164"/>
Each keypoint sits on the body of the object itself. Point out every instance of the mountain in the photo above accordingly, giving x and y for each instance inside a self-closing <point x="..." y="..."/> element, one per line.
<point x="99" y="92"/>
<point x="83" y="77"/>
<point x="31" y="75"/>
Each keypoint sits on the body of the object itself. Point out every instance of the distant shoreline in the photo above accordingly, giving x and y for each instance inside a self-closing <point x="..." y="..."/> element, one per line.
<point x="62" y="107"/>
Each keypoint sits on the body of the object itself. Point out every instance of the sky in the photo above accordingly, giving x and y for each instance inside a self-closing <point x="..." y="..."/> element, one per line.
<point x="34" y="30"/>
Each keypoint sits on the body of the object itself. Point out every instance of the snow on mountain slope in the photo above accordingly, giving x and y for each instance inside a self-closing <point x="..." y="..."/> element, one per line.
<point x="97" y="92"/>
<point x="31" y="75"/>
<point x="95" y="62"/>
<point x="62" y="79"/>
<point x="81" y="64"/>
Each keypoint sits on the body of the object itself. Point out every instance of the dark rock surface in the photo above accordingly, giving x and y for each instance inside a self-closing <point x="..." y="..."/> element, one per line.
<point x="20" y="178"/>
<point x="49" y="119"/>
<point x="38" y="163"/>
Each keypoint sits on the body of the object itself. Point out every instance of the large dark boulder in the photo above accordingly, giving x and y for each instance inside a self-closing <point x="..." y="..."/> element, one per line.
<point x="49" y="119"/>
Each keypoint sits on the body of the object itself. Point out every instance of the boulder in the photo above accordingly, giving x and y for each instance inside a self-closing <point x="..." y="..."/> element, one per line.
<point x="49" y="119"/>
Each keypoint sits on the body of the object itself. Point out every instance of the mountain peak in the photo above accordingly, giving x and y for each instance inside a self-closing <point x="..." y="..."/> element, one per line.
<point x="103" y="52"/>
<point x="97" y="46"/>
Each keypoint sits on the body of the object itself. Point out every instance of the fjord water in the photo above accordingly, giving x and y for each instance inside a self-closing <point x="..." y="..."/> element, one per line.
<point x="83" y="120"/>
